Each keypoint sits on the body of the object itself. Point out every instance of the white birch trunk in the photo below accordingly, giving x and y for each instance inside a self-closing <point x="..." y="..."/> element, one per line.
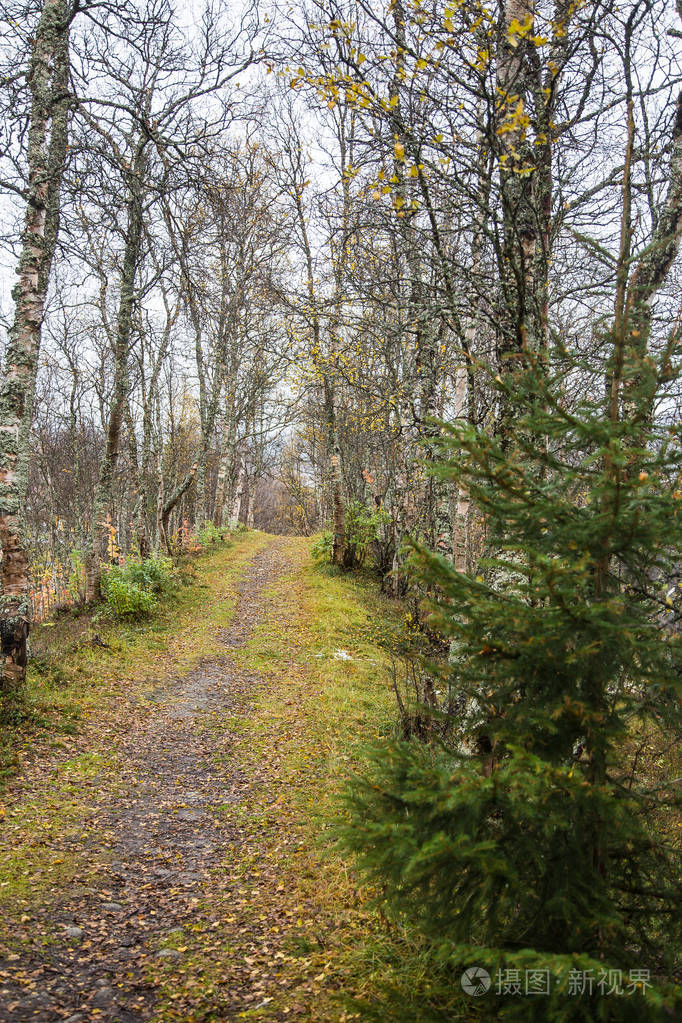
<point x="233" y="520"/>
<point x="49" y="58"/>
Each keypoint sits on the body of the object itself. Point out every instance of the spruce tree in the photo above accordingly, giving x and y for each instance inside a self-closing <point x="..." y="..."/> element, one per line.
<point x="535" y="847"/>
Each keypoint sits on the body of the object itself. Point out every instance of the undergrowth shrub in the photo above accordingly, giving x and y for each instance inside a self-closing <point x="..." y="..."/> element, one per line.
<point x="210" y="534"/>
<point x="363" y="537"/>
<point x="76" y="578"/>
<point x="157" y="575"/>
<point x="321" y="549"/>
<point x="125" y="599"/>
<point x="363" y="528"/>
<point x="133" y="590"/>
<point x="425" y="711"/>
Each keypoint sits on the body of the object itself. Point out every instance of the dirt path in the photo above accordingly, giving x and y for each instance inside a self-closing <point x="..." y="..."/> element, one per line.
<point x="94" y="952"/>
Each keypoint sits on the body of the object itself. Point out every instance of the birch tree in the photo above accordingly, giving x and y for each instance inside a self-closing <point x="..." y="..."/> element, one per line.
<point x="147" y="127"/>
<point x="47" y="135"/>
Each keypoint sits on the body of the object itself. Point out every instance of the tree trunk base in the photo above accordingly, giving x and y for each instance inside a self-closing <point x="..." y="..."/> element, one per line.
<point x="93" y="576"/>
<point x="14" y="630"/>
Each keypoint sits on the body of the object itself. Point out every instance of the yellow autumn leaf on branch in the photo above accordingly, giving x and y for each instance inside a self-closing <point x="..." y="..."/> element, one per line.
<point x="517" y="30"/>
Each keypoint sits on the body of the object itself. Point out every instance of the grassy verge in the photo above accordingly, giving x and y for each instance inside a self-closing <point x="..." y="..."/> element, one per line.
<point x="79" y="698"/>
<point x="80" y="662"/>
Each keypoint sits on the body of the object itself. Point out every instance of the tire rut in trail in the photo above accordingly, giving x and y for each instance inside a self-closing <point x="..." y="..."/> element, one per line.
<point x="165" y="836"/>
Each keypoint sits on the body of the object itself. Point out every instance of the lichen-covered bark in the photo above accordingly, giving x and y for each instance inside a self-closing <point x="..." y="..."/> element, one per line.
<point x="335" y="472"/>
<point x="200" y="498"/>
<point x="46" y="149"/>
<point x="237" y="496"/>
<point x="422" y="500"/>
<point x="460" y="524"/>
<point x="528" y="92"/>
<point x="226" y="461"/>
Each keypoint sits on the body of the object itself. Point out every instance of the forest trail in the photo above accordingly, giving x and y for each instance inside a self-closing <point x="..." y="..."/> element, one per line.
<point x="183" y="885"/>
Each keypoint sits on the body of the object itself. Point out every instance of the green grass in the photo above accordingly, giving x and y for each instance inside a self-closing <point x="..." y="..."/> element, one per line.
<point x="70" y="680"/>
<point x="78" y="697"/>
<point x="291" y="925"/>
<point x="291" y="908"/>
